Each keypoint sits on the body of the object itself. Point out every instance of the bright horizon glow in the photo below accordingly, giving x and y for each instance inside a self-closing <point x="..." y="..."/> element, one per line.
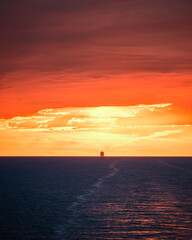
<point x="141" y="130"/>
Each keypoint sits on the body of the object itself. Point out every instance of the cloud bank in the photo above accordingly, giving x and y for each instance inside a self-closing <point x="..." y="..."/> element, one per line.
<point x="95" y="37"/>
<point x="84" y="119"/>
<point x="132" y="130"/>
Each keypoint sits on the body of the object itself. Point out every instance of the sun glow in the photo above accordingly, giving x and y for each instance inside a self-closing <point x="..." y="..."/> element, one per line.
<point x="131" y="130"/>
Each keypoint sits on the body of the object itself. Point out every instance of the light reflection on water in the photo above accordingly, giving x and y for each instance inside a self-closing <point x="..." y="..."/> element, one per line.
<point x="136" y="203"/>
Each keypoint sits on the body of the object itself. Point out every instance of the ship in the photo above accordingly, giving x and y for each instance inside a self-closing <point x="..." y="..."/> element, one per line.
<point x="101" y="154"/>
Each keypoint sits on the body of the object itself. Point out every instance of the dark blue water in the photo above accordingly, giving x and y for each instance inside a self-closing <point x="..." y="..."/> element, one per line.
<point x="95" y="198"/>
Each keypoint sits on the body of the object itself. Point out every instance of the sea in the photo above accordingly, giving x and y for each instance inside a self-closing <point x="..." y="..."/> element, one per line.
<point x="51" y="198"/>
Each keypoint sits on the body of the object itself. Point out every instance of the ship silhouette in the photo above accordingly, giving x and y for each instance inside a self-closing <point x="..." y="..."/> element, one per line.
<point x="101" y="154"/>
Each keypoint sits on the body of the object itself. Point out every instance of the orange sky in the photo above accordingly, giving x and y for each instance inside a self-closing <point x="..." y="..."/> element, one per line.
<point x="74" y="57"/>
<point x="142" y="130"/>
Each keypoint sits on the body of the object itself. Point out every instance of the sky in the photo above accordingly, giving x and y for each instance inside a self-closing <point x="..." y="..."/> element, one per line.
<point x="81" y="76"/>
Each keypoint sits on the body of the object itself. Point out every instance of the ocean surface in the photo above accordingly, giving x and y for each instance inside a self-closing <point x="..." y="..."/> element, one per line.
<point x="95" y="198"/>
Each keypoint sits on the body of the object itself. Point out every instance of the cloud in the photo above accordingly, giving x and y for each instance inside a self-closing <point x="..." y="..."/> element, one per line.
<point x="132" y="130"/>
<point x="81" y="119"/>
<point x="103" y="37"/>
<point x="161" y="134"/>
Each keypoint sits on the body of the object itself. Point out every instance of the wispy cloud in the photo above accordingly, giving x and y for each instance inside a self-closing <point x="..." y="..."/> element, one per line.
<point x="132" y="130"/>
<point x="81" y="119"/>
<point x="161" y="134"/>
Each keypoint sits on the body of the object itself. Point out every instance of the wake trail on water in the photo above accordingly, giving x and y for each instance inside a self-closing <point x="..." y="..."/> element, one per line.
<point x="85" y="197"/>
<point x="175" y="167"/>
<point x="96" y="186"/>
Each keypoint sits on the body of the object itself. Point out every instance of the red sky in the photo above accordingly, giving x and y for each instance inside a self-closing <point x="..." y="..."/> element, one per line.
<point x="91" y="53"/>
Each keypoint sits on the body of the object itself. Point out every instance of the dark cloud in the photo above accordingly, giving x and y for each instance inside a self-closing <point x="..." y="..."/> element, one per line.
<point x="99" y="36"/>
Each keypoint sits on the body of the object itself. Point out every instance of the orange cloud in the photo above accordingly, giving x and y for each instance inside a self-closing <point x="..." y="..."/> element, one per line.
<point x="76" y="118"/>
<point x="145" y="129"/>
